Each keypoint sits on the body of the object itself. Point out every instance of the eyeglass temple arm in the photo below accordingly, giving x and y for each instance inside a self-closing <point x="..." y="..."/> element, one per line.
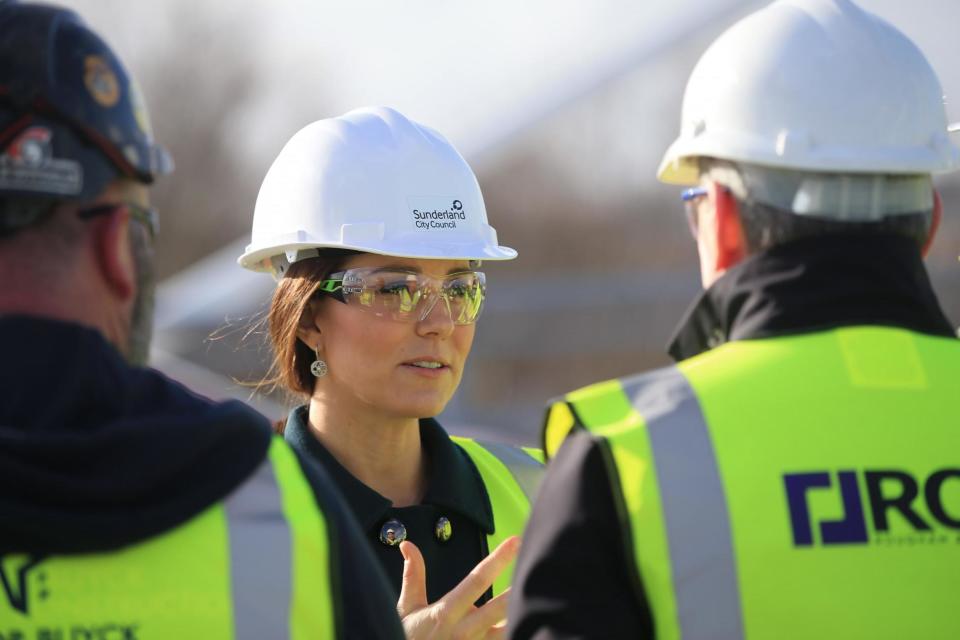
<point x="331" y="285"/>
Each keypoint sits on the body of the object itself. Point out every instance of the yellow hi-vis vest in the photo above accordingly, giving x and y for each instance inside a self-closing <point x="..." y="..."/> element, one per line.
<point x="512" y="476"/>
<point x="255" y="565"/>
<point x="796" y="487"/>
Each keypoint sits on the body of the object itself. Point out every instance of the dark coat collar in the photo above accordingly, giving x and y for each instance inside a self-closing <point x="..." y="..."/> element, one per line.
<point x="455" y="483"/>
<point x="813" y="285"/>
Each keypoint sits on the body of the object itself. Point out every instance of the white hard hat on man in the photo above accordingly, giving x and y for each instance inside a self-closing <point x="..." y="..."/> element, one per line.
<point x="836" y="90"/>
<point x="370" y="180"/>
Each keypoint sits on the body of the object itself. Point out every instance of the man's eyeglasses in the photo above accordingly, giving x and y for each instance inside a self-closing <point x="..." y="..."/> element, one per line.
<point x="147" y="216"/>
<point x="407" y="296"/>
<point x="690" y="197"/>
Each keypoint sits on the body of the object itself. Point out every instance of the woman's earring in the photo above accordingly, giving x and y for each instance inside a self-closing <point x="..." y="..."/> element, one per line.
<point x="318" y="367"/>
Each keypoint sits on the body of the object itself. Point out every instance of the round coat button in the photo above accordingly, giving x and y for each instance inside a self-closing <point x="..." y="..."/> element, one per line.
<point x="393" y="533"/>
<point x="443" y="529"/>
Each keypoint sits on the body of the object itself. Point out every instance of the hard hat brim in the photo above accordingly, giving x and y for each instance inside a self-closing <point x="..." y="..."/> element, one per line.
<point x="259" y="258"/>
<point x="680" y="163"/>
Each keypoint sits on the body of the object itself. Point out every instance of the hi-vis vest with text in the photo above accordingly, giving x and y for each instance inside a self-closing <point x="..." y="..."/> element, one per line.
<point x="795" y="487"/>
<point x="255" y="565"/>
<point x="512" y="476"/>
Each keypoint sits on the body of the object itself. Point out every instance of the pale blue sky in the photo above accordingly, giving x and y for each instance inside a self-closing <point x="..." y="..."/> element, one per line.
<point x="474" y="70"/>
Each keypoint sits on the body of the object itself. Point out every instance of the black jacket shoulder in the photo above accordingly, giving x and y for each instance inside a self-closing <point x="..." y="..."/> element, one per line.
<point x="576" y="538"/>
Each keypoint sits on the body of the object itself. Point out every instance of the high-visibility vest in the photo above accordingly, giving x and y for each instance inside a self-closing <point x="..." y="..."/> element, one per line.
<point x="255" y="565"/>
<point x="512" y="476"/>
<point x="795" y="487"/>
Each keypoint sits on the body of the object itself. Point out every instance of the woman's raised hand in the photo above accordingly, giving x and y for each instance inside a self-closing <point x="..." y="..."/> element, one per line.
<point x="454" y="615"/>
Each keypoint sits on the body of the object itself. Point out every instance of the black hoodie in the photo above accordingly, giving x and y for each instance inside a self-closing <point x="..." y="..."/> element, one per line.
<point x="96" y="455"/>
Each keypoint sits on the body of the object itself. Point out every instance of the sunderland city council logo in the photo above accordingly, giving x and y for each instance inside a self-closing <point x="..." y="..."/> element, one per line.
<point x="432" y="214"/>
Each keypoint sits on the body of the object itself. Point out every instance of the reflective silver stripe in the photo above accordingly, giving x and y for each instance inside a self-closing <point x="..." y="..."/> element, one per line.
<point x="694" y="505"/>
<point x="260" y="558"/>
<point x="525" y="469"/>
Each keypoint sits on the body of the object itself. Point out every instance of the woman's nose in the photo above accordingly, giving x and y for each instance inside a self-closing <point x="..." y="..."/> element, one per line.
<point x="436" y="316"/>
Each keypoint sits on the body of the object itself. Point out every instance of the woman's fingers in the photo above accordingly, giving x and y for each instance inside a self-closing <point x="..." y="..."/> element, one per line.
<point x="461" y="598"/>
<point x="482" y="621"/>
<point x="454" y="614"/>
<point x="496" y="633"/>
<point x="413" y="589"/>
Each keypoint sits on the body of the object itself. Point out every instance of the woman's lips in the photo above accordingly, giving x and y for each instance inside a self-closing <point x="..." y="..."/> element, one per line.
<point x="429" y="367"/>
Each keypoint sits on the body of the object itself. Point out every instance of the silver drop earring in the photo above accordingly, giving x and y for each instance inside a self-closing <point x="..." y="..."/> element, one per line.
<point x="318" y="367"/>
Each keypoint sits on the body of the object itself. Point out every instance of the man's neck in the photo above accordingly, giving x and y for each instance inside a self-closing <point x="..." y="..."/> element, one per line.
<point x="76" y="304"/>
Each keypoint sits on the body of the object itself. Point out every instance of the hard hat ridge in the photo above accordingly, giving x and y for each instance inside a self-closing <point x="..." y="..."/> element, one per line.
<point x="370" y="180"/>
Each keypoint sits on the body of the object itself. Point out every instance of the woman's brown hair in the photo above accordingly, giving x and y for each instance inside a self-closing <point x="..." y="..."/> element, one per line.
<point x="291" y="357"/>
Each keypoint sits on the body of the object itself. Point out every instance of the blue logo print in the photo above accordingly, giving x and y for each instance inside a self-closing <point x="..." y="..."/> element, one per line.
<point x="887" y="491"/>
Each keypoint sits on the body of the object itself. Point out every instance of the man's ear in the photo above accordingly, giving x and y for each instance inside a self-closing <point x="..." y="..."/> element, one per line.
<point x="114" y="256"/>
<point x="731" y="242"/>
<point x="934" y="223"/>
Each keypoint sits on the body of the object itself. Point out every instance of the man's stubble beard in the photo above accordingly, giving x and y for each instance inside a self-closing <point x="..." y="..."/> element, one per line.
<point x="141" y="316"/>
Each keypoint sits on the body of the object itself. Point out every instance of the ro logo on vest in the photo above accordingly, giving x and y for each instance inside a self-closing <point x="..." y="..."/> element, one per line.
<point x="887" y="490"/>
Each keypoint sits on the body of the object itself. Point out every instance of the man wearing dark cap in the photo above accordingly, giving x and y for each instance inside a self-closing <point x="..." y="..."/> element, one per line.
<point x="130" y="507"/>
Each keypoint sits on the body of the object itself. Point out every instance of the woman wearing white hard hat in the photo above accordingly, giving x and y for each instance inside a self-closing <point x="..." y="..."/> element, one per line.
<point x="375" y="227"/>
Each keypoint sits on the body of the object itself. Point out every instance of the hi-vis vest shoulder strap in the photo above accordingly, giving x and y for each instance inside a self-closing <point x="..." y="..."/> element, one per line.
<point x="602" y="403"/>
<point x="512" y="476"/>
<point x="255" y="566"/>
<point x="796" y="487"/>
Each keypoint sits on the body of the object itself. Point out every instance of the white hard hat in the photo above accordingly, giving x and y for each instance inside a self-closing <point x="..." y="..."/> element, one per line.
<point x="813" y="85"/>
<point x="370" y="180"/>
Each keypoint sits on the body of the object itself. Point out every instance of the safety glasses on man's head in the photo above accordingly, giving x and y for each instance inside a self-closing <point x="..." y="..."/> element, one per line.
<point x="690" y="197"/>
<point x="147" y="216"/>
